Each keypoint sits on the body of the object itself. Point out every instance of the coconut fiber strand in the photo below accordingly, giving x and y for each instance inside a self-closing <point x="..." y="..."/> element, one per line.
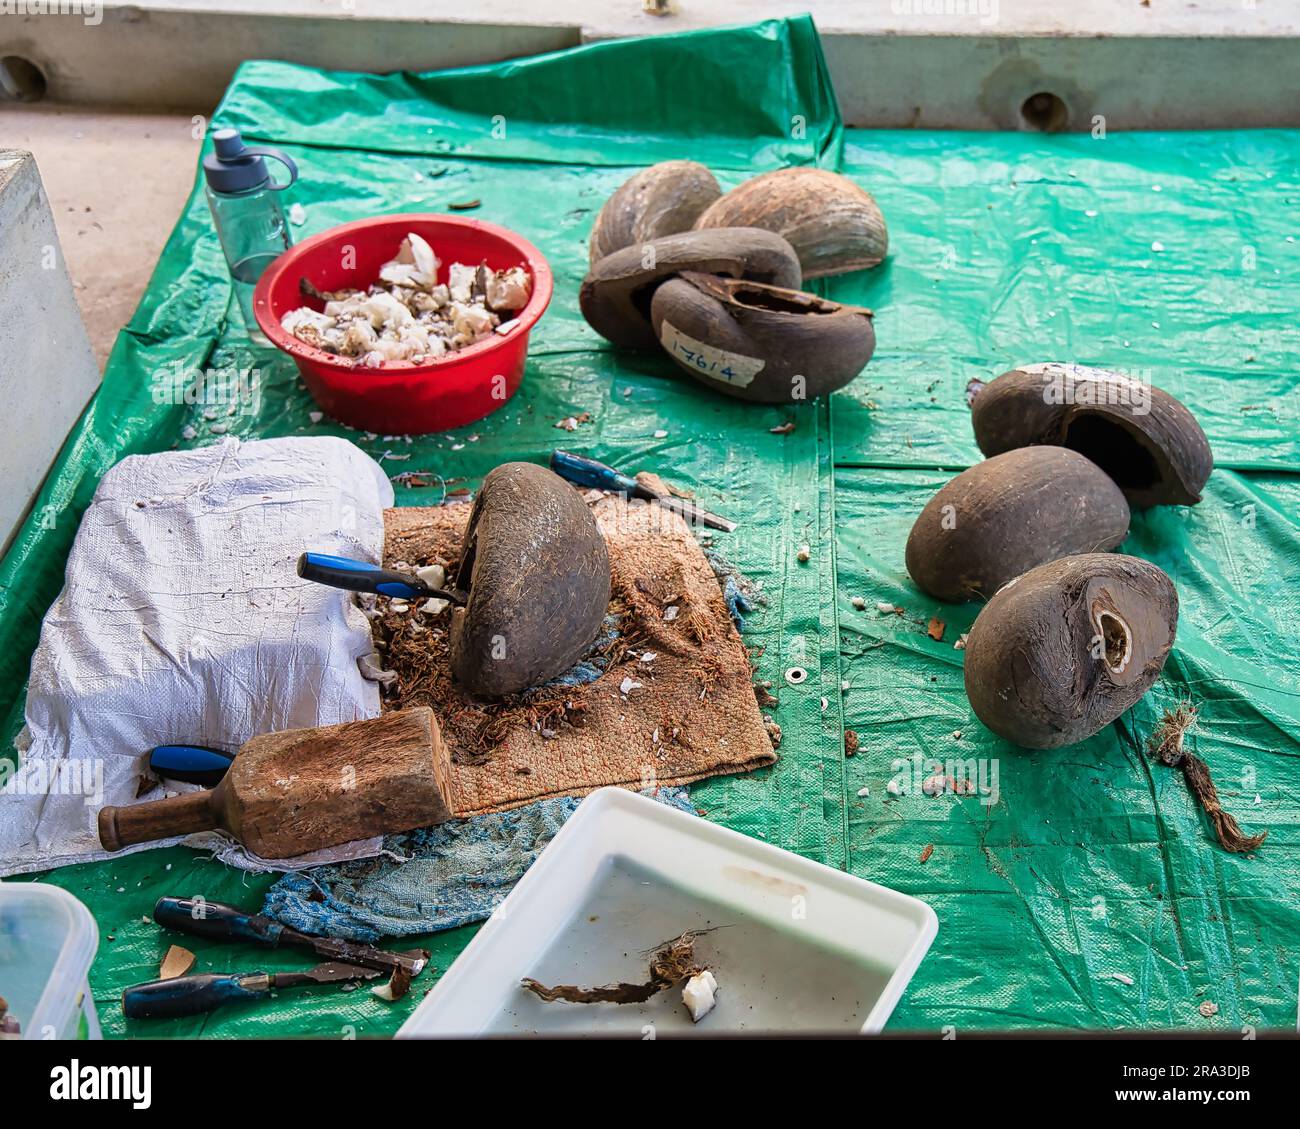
<point x="1093" y="893"/>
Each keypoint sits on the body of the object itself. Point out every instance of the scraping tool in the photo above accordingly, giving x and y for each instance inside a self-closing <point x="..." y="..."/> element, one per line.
<point x="358" y="576"/>
<point x="582" y="471"/>
<point x="220" y="922"/>
<point x="194" y="995"/>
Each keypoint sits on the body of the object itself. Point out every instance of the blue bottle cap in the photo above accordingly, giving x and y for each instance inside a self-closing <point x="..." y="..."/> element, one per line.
<point x="232" y="167"/>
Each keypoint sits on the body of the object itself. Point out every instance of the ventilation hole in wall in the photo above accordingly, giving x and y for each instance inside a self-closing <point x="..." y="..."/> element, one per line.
<point x="1044" y="112"/>
<point x="21" y="80"/>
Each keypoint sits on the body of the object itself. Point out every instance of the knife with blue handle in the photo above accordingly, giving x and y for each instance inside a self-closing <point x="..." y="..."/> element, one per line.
<point x="358" y="576"/>
<point x="206" y="991"/>
<point x="594" y="475"/>
<point x="190" y="764"/>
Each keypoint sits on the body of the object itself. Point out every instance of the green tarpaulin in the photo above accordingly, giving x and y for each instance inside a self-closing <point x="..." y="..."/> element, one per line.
<point x="1091" y="894"/>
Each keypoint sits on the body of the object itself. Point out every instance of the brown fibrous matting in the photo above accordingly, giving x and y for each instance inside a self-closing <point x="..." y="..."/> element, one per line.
<point x="693" y="716"/>
<point x="1166" y="743"/>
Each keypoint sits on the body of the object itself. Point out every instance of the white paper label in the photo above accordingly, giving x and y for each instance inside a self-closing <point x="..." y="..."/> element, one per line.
<point x="714" y="364"/>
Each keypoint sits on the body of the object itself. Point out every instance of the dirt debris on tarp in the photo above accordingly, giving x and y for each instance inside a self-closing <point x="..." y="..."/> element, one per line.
<point x="177" y="961"/>
<point x="660" y="699"/>
<point x="670" y="964"/>
<point x="395" y="987"/>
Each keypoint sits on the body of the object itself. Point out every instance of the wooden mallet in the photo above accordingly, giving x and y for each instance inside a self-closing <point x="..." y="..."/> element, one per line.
<point x="301" y="790"/>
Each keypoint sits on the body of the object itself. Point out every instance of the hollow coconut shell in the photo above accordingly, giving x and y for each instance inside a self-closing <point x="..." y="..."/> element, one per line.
<point x="1144" y="438"/>
<point x="1062" y="651"/>
<point x="1009" y="514"/>
<point x="662" y="200"/>
<point x="833" y="225"/>
<point x="763" y="343"/>
<point x="616" y="294"/>
<point x="535" y="569"/>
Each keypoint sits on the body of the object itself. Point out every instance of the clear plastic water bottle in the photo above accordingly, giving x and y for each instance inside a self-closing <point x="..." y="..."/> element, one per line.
<point x="246" y="209"/>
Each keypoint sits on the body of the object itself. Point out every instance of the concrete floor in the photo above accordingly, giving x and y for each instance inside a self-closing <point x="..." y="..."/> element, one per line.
<point x="116" y="183"/>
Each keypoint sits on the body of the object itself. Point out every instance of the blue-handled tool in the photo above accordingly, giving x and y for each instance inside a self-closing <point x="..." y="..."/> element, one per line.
<point x="190" y="764"/>
<point x="358" y="576"/>
<point x="582" y="471"/>
<point x="203" y="992"/>
<point x="219" y="922"/>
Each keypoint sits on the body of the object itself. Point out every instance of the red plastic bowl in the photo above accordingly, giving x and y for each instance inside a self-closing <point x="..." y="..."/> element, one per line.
<point x="403" y="399"/>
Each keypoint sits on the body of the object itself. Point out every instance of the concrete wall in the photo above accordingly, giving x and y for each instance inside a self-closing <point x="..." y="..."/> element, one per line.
<point x="896" y="63"/>
<point x="47" y="371"/>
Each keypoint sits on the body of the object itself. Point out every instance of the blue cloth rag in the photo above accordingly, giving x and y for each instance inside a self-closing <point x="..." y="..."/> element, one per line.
<point x="453" y="874"/>
<point x="741" y="597"/>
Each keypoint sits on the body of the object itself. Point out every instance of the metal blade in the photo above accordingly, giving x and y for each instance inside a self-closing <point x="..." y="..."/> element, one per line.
<point x="692" y="512"/>
<point x="333" y="971"/>
<point x="351" y="952"/>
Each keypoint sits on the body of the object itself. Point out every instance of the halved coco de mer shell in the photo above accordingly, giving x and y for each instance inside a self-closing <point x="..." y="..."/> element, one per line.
<point x="662" y="200"/>
<point x="616" y="294"/>
<point x="833" y="225"/>
<point x="535" y="569"/>
<point x="756" y="342"/>
<point x="1008" y="514"/>
<point x="1062" y="651"/>
<point x="1146" y="440"/>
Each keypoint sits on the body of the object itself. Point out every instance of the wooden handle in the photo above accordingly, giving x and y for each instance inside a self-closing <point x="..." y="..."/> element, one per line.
<point x="159" y="819"/>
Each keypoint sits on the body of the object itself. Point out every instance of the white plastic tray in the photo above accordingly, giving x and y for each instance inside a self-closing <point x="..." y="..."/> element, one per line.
<point x="795" y="945"/>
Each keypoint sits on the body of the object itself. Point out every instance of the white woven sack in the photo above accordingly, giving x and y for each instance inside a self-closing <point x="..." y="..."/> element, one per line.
<point x="182" y="620"/>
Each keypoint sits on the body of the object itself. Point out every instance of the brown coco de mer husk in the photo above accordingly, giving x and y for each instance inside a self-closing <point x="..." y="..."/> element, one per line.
<point x="616" y="295"/>
<point x="834" y="225"/>
<point x="763" y="343"/>
<point x="1144" y="438"/>
<point x="1009" y="513"/>
<point x="1062" y="651"/>
<point x="663" y="199"/>
<point x="535" y="568"/>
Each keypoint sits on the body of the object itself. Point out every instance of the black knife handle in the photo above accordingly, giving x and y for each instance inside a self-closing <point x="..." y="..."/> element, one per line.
<point x="193" y="995"/>
<point x="217" y="921"/>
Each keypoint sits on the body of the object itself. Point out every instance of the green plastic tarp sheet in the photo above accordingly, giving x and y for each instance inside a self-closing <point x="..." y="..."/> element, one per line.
<point x="1091" y="894"/>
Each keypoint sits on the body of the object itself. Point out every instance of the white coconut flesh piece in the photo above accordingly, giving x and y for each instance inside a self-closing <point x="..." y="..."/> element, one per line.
<point x="698" y="994"/>
<point x="435" y="576"/>
<point x="406" y="316"/>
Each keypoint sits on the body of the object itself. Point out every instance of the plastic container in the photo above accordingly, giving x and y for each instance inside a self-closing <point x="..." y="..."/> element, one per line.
<point x="795" y="945"/>
<point x="245" y="204"/>
<point x="404" y="399"/>
<point x="47" y="944"/>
